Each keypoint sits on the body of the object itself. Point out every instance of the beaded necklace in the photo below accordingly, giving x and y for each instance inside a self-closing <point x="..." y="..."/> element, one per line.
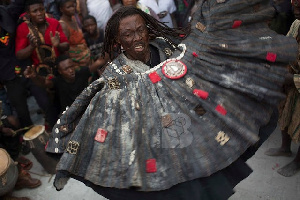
<point x="183" y="46"/>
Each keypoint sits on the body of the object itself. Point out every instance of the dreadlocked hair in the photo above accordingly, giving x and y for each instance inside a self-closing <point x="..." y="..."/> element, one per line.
<point x="155" y="28"/>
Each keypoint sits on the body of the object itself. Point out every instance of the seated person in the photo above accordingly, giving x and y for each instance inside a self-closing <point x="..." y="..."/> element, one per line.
<point x="94" y="38"/>
<point x="68" y="84"/>
<point x="10" y="142"/>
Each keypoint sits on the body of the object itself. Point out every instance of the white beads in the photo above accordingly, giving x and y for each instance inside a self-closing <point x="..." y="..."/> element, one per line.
<point x="183" y="46"/>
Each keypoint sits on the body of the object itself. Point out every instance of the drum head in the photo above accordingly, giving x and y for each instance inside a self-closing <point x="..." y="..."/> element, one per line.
<point x="34" y="132"/>
<point x="4" y="161"/>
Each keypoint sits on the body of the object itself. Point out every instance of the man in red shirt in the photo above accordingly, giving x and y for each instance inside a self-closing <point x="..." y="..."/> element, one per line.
<point x="41" y="40"/>
<point x="39" y="37"/>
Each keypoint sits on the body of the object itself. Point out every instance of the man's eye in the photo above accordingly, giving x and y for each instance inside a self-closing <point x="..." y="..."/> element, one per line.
<point x="127" y="35"/>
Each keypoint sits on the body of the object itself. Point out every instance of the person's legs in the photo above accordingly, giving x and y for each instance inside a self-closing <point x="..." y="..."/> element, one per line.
<point x="6" y="108"/>
<point x="291" y="168"/>
<point x="42" y="98"/>
<point x="285" y="149"/>
<point x="17" y="95"/>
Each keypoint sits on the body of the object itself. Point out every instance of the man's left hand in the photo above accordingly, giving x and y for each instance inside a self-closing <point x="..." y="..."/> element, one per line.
<point x="55" y="40"/>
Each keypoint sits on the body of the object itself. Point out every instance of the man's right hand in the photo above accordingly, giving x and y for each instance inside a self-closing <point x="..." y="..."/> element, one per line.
<point x="33" y="40"/>
<point x="30" y="72"/>
<point x="8" y="132"/>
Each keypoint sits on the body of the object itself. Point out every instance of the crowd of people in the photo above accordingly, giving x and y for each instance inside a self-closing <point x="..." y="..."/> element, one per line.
<point x="71" y="55"/>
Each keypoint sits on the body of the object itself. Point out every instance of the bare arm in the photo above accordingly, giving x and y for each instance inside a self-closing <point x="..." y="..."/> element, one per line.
<point x="55" y="40"/>
<point x="99" y="63"/>
<point x="41" y="81"/>
<point x="27" y="51"/>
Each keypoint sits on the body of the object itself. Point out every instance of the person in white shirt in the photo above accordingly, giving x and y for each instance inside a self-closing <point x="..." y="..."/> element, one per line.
<point x="100" y="9"/>
<point x="165" y="10"/>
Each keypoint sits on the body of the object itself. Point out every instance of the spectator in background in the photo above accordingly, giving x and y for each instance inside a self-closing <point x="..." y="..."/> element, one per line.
<point x="17" y="178"/>
<point x="94" y="38"/>
<point x="69" y="83"/>
<point x="100" y="9"/>
<point x="41" y="39"/>
<point x="284" y="16"/>
<point x="140" y="6"/>
<point x="15" y="88"/>
<point x="165" y="10"/>
<point x="290" y="109"/>
<point x="79" y="51"/>
<point x="51" y="8"/>
<point x="183" y="11"/>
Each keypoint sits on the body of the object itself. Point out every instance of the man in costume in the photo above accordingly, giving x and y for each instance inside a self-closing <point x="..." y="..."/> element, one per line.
<point x="172" y="121"/>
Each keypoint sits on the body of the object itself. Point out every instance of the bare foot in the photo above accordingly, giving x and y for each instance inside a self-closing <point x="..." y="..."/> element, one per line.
<point x="278" y="152"/>
<point x="290" y="169"/>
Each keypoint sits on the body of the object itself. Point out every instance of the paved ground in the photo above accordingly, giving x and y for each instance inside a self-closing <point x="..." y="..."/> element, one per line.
<point x="263" y="184"/>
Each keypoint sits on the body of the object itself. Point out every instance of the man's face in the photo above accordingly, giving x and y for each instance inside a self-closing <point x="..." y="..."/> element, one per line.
<point x="134" y="38"/>
<point x="296" y="8"/>
<point x="129" y="2"/>
<point x="66" y="69"/>
<point x="68" y="8"/>
<point x="90" y="26"/>
<point x="36" y="13"/>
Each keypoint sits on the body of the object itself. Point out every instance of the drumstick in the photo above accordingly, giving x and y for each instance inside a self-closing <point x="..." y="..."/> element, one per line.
<point x="21" y="129"/>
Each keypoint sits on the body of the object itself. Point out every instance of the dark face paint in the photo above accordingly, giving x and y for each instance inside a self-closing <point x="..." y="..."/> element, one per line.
<point x="134" y="38"/>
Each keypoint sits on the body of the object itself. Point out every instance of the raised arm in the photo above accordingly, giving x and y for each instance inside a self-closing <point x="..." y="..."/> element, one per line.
<point x="41" y="81"/>
<point x="25" y="43"/>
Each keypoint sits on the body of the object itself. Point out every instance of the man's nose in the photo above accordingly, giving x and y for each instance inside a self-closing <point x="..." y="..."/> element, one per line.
<point x="137" y="35"/>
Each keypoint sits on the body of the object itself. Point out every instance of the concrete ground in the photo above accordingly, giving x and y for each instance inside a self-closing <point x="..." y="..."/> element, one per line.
<point x="263" y="184"/>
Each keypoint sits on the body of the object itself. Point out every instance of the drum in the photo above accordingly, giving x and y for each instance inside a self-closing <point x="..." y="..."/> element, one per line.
<point x="36" y="139"/>
<point x="8" y="172"/>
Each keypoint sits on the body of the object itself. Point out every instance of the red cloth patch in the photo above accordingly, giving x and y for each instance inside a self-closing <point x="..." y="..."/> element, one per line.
<point x="194" y="54"/>
<point x="271" y="57"/>
<point x="49" y="77"/>
<point x="221" y="110"/>
<point x="46" y="145"/>
<point x="154" y="77"/>
<point x="101" y="135"/>
<point x="182" y="35"/>
<point x="236" y="23"/>
<point x="200" y="93"/>
<point x="151" y="166"/>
